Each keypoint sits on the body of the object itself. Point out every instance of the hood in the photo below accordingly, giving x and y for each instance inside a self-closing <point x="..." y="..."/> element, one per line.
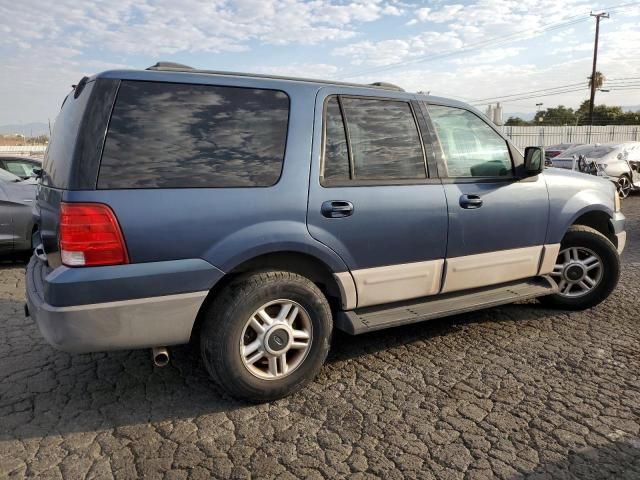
<point x="572" y="177"/>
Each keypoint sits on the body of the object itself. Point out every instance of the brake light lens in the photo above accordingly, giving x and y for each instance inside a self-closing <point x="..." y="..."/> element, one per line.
<point x="552" y="153"/>
<point x="90" y="236"/>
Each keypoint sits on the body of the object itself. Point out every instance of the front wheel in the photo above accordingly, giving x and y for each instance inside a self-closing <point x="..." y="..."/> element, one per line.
<point x="586" y="271"/>
<point x="266" y="335"/>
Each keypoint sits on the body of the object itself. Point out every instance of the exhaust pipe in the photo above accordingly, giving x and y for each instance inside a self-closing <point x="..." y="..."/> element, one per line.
<point x="160" y="356"/>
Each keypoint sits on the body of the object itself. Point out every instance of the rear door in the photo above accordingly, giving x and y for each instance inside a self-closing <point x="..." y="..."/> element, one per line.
<point x="371" y="199"/>
<point x="497" y="222"/>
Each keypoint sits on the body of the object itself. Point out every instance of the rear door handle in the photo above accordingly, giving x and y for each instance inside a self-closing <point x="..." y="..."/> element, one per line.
<point x="337" y="209"/>
<point x="470" y="201"/>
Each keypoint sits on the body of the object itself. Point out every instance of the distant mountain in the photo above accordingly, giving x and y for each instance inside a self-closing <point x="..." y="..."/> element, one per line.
<point x="29" y="129"/>
<point x="631" y="108"/>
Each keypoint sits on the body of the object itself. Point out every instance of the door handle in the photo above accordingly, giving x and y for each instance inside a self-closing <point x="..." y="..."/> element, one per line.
<point x="470" y="201"/>
<point x="337" y="209"/>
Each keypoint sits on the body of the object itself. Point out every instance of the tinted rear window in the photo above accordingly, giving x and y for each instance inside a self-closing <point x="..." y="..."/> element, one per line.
<point x="58" y="160"/>
<point x="383" y="138"/>
<point x="166" y="135"/>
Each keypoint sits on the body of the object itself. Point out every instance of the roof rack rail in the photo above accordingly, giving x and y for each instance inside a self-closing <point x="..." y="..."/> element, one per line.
<point x="177" y="67"/>
<point x="166" y="65"/>
<point x="387" y="85"/>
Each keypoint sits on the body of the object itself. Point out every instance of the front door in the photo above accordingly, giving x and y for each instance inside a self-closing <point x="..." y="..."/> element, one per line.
<point x="370" y="197"/>
<point x="497" y="222"/>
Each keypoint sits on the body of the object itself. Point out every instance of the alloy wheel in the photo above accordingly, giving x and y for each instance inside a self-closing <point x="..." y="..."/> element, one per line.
<point x="578" y="271"/>
<point x="624" y="186"/>
<point x="276" y="339"/>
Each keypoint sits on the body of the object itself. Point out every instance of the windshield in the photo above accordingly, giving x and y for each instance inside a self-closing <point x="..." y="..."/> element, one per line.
<point x="589" y="151"/>
<point x="8" y="177"/>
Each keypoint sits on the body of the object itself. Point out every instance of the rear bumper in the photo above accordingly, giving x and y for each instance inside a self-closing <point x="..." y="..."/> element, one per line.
<point x="124" y="324"/>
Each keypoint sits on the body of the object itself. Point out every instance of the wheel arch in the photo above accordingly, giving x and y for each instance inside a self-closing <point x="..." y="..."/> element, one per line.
<point x="331" y="283"/>
<point x="598" y="220"/>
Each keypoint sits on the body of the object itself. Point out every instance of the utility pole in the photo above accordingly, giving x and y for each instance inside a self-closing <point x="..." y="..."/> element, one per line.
<point x="595" y="59"/>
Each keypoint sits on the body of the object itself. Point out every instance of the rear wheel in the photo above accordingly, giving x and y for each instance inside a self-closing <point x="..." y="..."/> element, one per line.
<point x="266" y="335"/>
<point x="587" y="269"/>
<point x="624" y="186"/>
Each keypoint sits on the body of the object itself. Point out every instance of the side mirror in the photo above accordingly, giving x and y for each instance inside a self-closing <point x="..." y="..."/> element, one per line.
<point x="533" y="161"/>
<point x="37" y="172"/>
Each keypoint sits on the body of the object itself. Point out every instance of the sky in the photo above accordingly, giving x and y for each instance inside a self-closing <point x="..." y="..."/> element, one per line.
<point x="473" y="50"/>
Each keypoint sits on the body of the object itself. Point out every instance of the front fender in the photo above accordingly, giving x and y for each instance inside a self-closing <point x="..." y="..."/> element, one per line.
<point x="565" y="211"/>
<point x="270" y="237"/>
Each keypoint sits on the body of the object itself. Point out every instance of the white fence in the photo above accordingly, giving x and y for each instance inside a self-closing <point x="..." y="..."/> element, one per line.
<point x="36" y="151"/>
<point x="546" y="136"/>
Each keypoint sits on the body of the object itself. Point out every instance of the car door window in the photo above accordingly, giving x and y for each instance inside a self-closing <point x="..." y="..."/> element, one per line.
<point x="470" y="147"/>
<point x="380" y="141"/>
<point x="19" y="168"/>
<point x="336" y="153"/>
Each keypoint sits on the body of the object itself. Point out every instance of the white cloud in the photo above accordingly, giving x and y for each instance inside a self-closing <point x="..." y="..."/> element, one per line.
<point x="165" y="27"/>
<point x="304" y="70"/>
<point x="48" y="46"/>
<point x="387" y="52"/>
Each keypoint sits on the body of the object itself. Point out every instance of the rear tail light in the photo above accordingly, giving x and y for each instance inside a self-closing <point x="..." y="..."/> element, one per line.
<point x="551" y="154"/>
<point x="90" y="236"/>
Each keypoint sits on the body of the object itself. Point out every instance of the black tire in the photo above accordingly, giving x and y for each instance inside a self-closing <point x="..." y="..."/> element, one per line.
<point x="225" y="321"/>
<point x="582" y="236"/>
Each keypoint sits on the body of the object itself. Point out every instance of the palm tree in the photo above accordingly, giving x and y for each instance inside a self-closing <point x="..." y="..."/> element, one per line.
<point x="599" y="80"/>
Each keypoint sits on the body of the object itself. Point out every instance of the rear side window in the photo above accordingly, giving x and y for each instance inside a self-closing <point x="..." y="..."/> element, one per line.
<point x="166" y="135"/>
<point x="383" y="138"/>
<point x="336" y="153"/>
<point x="471" y="148"/>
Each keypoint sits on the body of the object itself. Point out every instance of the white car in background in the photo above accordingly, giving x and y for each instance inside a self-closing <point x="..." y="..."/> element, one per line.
<point x="619" y="162"/>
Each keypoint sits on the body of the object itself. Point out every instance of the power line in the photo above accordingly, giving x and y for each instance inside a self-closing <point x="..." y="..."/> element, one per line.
<point x="467" y="48"/>
<point x="498" y="98"/>
<point x="560" y="92"/>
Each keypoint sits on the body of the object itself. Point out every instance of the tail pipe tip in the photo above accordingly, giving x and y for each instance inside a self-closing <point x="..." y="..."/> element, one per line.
<point x="160" y="356"/>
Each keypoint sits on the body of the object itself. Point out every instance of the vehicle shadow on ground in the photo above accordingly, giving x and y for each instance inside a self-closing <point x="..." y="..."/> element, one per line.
<point x="45" y="392"/>
<point x="346" y="347"/>
<point x="13" y="261"/>
<point x="619" y="459"/>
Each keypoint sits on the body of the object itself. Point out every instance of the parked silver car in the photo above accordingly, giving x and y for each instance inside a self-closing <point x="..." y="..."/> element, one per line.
<point x="619" y="162"/>
<point x="554" y="151"/>
<point x="16" y="220"/>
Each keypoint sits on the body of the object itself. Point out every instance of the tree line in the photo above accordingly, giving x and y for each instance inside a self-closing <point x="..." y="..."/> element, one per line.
<point x="561" y="115"/>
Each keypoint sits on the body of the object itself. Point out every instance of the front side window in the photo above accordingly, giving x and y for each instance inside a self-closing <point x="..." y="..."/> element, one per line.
<point x="471" y="148"/>
<point x="383" y="138"/>
<point x="168" y="135"/>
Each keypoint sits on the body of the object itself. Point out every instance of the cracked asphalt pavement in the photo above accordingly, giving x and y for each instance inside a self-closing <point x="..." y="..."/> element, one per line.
<point x="519" y="391"/>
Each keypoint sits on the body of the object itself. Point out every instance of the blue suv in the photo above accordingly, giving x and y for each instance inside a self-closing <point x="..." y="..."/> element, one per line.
<point x="258" y="213"/>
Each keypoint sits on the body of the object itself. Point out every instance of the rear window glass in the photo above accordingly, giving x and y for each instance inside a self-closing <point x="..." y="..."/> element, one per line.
<point x="58" y="158"/>
<point x="166" y="135"/>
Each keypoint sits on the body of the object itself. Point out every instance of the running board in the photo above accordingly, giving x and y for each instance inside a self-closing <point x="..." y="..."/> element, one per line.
<point x="376" y="318"/>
